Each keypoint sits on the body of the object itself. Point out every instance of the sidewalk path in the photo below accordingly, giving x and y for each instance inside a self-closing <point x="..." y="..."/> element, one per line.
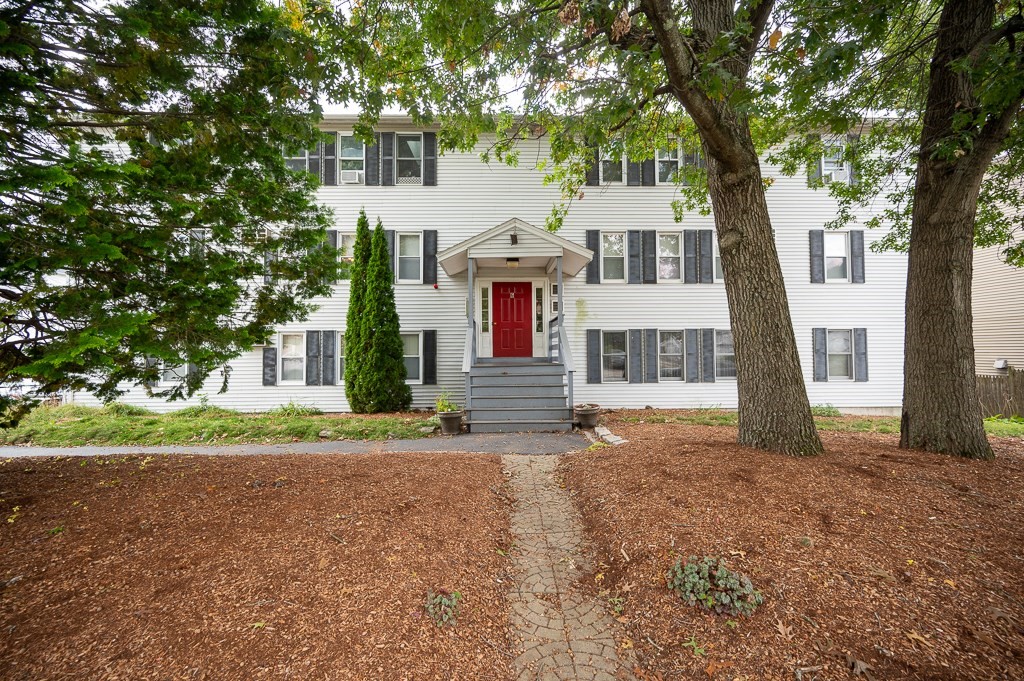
<point x="564" y="633"/>
<point x="486" y="443"/>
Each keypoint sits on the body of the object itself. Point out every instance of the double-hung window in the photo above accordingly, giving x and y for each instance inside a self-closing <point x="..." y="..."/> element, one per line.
<point x="412" y="356"/>
<point x="669" y="252"/>
<point x="837" y="256"/>
<point x="611" y="168"/>
<point x="840" y="354"/>
<point x="341" y="356"/>
<point x="347" y="244"/>
<point x="670" y="355"/>
<point x="725" y="355"/>
<point x="834" y="167"/>
<point x="173" y="373"/>
<point x="719" y="272"/>
<point x="409" y="258"/>
<point x="352" y="153"/>
<point x="409" y="159"/>
<point x="668" y="162"/>
<point x="613" y="256"/>
<point x="613" y="356"/>
<point x="293" y="358"/>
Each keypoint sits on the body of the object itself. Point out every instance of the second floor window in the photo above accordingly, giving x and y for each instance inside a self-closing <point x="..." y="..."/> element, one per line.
<point x="409" y="257"/>
<point x="613" y="256"/>
<point x="409" y="159"/>
<point x="353" y="159"/>
<point x="668" y="163"/>
<point x="836" y="257"/>
<point x="611" y="169"/>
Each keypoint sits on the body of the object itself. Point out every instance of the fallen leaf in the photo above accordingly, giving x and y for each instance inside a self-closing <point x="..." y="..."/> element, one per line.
<point x="916" y="637"/>
<point x="626" y="643"/>
<point x="741" y="554"/>
<point x="949" y="582"/>
<point x="784" y="631"/>
<point x="859" y="667"/>
<point x="714" y="667"/>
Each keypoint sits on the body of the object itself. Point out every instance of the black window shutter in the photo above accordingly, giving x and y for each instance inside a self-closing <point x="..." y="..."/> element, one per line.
<point x="269" y="366"/>
<point x="636" y="355"/>
<point x="329" y="357"/>
<point x="268" y="262"/>
<point x="387" y="158"/>
<point x="860" y="354"/>
<point x="650" y="355"/>
<point x="331" y="160"/>
<point x="313" y="161"/>
<point x="689" y="256"/>
<point x="817" y="249"/>
<point x="649" y="241"/>
<point x="816" y="169"/>
<point x="594" y="266"/>
<point x="389" y="234"/>
<point x="430" y="159"/>
<point x="372" y="177"/>
<point x="429" y="357"/>
<point x="692" y="353"/>
<point x="332" y="241"/>
<point x="857" y="256"/>
<point x="647" y="172"/>
<point x="633" y="178"/>
<point x="312" y="358"/>
<point x="594" y="170"/>
<point x="852" y="140"/>
<point x="430" y="256"/>
<point x="633" y="260"/>
<point x="706" y="266"/>
<point x="593" y="355"/>
<point x="707" y="355"/>
<point x="820" y="354"/>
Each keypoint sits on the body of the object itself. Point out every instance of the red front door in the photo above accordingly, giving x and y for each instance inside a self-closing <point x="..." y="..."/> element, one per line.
<point x="513" y="324"/>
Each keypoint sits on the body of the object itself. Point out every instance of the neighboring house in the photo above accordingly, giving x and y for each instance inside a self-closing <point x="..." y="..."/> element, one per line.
<point x="997" y="301"/>
<point x="636" y="298"/>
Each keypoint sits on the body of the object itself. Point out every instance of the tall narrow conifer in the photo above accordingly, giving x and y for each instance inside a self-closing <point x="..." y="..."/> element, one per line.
<point x="355" y="346"/>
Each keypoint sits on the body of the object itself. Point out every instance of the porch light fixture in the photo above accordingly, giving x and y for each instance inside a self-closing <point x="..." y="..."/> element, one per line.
<point x="511" y="263"/>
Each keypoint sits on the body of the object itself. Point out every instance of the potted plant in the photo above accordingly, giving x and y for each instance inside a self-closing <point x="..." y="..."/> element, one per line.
<point x="449" y="413"/>
<point x="586" y="415"/>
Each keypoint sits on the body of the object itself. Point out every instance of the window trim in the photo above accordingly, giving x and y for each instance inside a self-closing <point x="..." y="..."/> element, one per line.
<point x="419" y="348"/>
<point x="847" y="166"/>
<point x="682" y="357"/>
<point x="398" y="158"/>
<point x="716" y="258"/>
<point x="625" y="355"/>
<point x="399" y="256"/>
<point x="338" y="158"/>
<point x="851" y="354"/>
<point x="679" y="256"/>
<point x="717" y="376"/>
<point x="280" y="357"/>
<point x="624" y="256"/>
<point x="847" y="254"/>
<point x="658" y="160"/>
<point x="601" y="158"/>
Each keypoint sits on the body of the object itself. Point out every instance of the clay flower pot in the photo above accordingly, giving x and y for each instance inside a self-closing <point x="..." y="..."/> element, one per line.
<point x="451" y="422"/>
<point x="586" y="415"/>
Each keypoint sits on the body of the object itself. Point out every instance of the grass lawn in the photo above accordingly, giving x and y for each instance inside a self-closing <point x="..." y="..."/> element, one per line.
<point x="120" y="424"/>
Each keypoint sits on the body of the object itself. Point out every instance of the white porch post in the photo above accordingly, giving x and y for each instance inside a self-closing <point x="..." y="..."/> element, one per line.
<point x="471" y="321"/>
<point x="561" y="310"/>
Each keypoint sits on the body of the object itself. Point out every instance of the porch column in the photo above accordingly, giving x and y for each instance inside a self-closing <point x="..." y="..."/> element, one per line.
<point x="471" y="321"/>
<point x="561" y="310"/>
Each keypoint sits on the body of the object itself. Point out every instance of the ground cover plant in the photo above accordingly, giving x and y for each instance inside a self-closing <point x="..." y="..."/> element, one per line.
<point x="871" y="560"/>
<point x="305" y="567"/>
<point x="120" y="424"/>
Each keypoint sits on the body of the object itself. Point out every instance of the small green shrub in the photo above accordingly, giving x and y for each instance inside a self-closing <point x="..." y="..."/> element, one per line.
<point x="122" y="409"/>
<point x="295" y="409"/>
<point x="444" y="402"/>
<point x="708" y="583"/>
<point x="825" y="410"/>
<point x="443" y="606"/>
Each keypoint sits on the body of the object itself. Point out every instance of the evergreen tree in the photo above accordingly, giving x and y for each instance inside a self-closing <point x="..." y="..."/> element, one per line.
<point x="380" y="382"/>
<point x="355" y="345"/>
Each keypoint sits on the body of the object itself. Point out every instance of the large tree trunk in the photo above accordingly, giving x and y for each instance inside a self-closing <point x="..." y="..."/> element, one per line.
<point x="774" y="412"/>
<point x="941" y="412"/>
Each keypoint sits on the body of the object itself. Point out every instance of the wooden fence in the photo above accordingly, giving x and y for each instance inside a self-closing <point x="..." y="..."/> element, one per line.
<point x="1002" y="394"/>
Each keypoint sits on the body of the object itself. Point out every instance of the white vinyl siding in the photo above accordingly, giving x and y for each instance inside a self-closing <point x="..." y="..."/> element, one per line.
<point x="613" y="256"/>
<point x="293" y="359"/>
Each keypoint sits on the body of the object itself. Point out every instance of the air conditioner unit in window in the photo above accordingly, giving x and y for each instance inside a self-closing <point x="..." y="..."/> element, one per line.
<point x="351" y="176"/>
<point x="834" y="176"/>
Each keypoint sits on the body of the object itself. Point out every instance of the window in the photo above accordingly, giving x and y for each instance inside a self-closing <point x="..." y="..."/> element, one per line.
<point x="611" y="169"/>
<point x="347" y="244"/>
<point x="485" y="309"/>
<point x="540" y="309"/>
<point x="409" y="159"/>
<point x="308" y="161"/>
<point x="725" y="355"/>
<point x="719" y="272"/>
<point x="293" y="358"/>
<point x="832" y="160"/>
<point x="554" y="299"/>
<point x="613" y="356"/>
<point x="352" y="154"/>
<point x="173" y="374"/>
<point x="668" y="257"/>
<point x="613" y="256"/>
<point x="411" y="353"/>
<point x="668" y="162"/>
<point x="409" y="257"/>
<point x="670" y="356"/>
<point x="341" y="356"/>
<point x="840" y="353"/>
<point x="297" y="162"/>
<point x="836" y="256"/>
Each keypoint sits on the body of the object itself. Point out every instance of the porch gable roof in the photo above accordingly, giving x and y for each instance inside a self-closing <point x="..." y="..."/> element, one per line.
<point x="536" y="247"/>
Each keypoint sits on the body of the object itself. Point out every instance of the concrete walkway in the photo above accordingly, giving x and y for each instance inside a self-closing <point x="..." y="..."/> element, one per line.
<point x="487" y="443"/>
<point x="564" y="634"/>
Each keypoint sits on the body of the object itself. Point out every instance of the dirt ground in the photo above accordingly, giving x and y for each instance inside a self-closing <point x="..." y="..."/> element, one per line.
<point x="302" y="567"/>
<point x="875" y="563"/>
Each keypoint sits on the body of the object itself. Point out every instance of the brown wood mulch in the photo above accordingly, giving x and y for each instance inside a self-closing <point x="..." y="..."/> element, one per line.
<point x="875" y="563"/>
<point x="302" y="567"/>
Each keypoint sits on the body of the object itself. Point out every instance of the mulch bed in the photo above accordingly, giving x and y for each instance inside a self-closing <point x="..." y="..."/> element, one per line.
<point x="303" y="567"/>
<point x="875" y="563"/>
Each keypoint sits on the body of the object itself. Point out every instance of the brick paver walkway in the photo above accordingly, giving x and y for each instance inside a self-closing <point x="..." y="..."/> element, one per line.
<point x="564" y="633"/>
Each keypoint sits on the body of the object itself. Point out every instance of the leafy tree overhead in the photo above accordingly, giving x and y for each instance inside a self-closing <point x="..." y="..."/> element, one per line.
<point x="143" y="187"/>
<point x="632" y="77"/>
<point x="355" y="343"/>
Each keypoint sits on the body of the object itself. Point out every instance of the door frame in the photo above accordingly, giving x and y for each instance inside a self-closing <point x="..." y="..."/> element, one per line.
<point x="485" y="340"/>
